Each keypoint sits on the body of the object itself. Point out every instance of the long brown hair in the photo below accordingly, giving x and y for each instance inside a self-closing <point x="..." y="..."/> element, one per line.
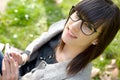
<point x="101" y="13"/>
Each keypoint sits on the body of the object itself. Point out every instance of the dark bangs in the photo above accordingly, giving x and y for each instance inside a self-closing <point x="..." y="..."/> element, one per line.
<point x="96" y="12"/>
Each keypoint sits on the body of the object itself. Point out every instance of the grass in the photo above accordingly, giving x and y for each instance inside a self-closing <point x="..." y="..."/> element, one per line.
<point x="25" y="20"/>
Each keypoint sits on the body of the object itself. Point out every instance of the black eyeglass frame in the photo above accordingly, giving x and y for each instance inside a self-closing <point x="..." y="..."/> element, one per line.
<point x="72" y="10"/>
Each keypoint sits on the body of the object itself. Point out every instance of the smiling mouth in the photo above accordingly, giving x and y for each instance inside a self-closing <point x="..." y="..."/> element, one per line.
<point x="71" y="34"/>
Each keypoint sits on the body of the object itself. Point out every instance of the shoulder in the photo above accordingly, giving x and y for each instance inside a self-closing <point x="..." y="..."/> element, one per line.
<point x="57" y="25"/>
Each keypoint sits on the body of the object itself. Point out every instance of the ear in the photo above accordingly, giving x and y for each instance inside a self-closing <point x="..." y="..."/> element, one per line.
<point x="95" y="42"/>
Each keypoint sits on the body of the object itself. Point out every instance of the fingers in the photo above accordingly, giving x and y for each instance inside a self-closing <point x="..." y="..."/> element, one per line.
<point x="5" y="68"/>
<point x="14" y="69"/>
<point x="17" y="57"/>
<point x="9" y="69"/>
<point x="1" y="77"/>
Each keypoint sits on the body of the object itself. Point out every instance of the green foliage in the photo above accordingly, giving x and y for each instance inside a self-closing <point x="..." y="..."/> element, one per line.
<point x="22" y="12"/>
<point x="113" y="50"/>
<point x="101" y="63"/>
<point x="117" y="2"/>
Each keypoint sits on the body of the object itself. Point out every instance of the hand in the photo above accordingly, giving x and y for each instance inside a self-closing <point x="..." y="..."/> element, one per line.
<point x="20" y="58"/>
<point x="9" y="69"/>
<point x="10" y="51"/>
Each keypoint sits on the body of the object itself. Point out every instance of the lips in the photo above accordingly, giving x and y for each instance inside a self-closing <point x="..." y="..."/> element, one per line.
<point x="71" y="34"/>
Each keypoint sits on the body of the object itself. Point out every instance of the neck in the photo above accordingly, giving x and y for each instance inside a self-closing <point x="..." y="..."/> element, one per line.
<point x="69" y="52"/>
<point x="72" y="51"/>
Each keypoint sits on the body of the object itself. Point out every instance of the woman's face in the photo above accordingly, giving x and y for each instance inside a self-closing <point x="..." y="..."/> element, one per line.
<point x="83" y="36"/>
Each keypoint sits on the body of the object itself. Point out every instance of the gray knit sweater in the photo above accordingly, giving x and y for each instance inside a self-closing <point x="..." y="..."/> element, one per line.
<point x="56" y="71"/>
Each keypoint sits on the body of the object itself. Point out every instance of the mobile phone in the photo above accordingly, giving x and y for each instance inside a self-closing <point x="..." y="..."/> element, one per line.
<point x="7" y="49"/>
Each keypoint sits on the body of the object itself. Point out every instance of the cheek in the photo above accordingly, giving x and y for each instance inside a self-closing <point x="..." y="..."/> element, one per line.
<point x="85" y="40"/>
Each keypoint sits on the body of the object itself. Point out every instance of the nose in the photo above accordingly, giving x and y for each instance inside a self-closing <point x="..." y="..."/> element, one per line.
<point x="76" y="25"/>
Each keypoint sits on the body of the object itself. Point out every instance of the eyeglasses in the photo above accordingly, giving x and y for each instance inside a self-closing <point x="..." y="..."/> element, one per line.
<point x="86" y="27"/>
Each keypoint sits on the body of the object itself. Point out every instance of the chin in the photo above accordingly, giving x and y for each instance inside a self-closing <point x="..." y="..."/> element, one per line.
<point x="64" y="39"/>
<point x="67" y="41"/>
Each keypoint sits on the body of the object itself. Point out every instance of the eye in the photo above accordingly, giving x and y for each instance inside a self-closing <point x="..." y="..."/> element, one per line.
<point x="90" y="26"/>
<point x="86" y="24"/>
<point x="87" y="28"/>
<point x="75" y="17"/>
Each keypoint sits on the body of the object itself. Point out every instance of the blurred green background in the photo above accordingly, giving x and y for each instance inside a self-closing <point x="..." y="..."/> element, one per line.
<point x="25" y="20"/>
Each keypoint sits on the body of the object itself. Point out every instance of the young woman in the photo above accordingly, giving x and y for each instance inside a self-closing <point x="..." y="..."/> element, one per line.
<point x="66" y="54"/>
